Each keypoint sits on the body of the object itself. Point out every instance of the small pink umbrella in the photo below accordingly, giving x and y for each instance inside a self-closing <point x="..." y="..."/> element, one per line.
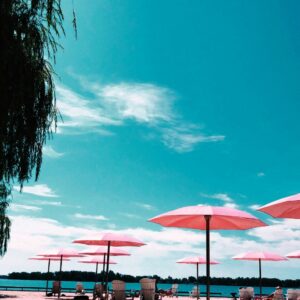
<point x="96" y="260"/>
<point x="49" y="259"/>
<point x="196" y="260"/>
<point x="259" y="256"/>
<point x="110" y="239"/>
<point x="61" y="254"/>
<point x="103" y="251"/>
<point x="288" y="207"/>
<point x="208" y="218"/>
<point x="294" y="254"/>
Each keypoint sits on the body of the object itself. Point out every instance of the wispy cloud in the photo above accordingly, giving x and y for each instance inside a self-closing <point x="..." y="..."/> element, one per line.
<point x="38" y="190"/>
<point x="145" y="206"/>
<point x="50" y="152"/>
<point x="130" y="216"/>
<point x="261" y="174"/>
<point x="254" y="206"/>
<point x="229" y="202"/>
<point x="90" y="217"/>
<point x="115" y="104"/>
<point x="20" y="207"/>
<point x="46" y="203"/>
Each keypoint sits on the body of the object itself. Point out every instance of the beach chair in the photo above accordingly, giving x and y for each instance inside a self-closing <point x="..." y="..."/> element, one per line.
<point x="174" y="290"/>
<point x="79" y="288"/>
<point x="56" y="288"/>
<point x="246" y="293"/>
<point x="278" y="295"/>
<point x="119" y="291"/>
<point x="293" y="294"/>
<point x="195" y="292"/>
<point x="147" y="289"/>
<point x="98" y="291"/>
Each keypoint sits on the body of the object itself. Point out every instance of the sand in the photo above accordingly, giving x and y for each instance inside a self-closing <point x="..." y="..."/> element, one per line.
<point x="41" y="296"/>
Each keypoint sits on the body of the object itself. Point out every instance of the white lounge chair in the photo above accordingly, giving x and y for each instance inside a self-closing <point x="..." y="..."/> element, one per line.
<point x="195" y="292"/>
<point x="79" y="288"/>
<point x="119" y="291"/>
<point x="246" y="293"/>
<point x="98" y="292"/>
<point x="293" y="294"/>
<point x="147" y="289"/>
<point x="174" y="290"/>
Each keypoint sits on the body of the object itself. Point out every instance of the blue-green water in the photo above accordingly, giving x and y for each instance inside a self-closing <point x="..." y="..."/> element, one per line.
<point x="223" y="289"/>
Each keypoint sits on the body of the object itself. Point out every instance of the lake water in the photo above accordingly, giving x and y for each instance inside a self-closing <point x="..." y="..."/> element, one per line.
<point x="224" y="289"/>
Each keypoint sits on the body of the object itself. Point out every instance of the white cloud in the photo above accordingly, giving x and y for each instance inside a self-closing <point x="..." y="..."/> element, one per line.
<point x="38" y="190"/>
<point x="19" y="207"/>
<point x="46" y="203"/>
<point x="130" y="216"/>
<point x="114" y="104"/>
<point x="90" y="217"/>
<point x="184" y="139"/>
<point x="50" y="152"/>
<point x="145" y="206"/>
<point x="254" y="206"/>
<point x="261" y="174"/>
<point x="229" y="202"/>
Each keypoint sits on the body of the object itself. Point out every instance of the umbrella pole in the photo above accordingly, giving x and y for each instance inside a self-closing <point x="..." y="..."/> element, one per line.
<point x="207" y="220"/>
<point x="96" y="272"/>
<point x="260" y="281"/>
<point x="103" y="270"/>
<point x="47" y="282"/>
<point x="107" y="265"/>
<point x="60" y="275"/>
<point x="197" y="281"/>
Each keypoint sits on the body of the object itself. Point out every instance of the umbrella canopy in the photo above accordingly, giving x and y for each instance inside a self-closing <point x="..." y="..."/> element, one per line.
<point x="196" y="260"/>
<point x="259" y="256"/>
<point x="288" y="207"/>
<point x="208" y="218"/>
<point x="49" y="259"/>
<point x="110" y="239"/>
<point x="294" y="254"/>
<point x="96" y="260"/>
<point x="103" y="251"/>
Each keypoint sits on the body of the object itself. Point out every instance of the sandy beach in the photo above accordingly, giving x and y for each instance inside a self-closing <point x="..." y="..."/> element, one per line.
<point x="41" y="296"/>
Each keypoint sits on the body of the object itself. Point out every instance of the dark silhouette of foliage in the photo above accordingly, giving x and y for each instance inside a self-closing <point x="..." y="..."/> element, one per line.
<point x="29" y="30"/>
<point x="90" y="276"/>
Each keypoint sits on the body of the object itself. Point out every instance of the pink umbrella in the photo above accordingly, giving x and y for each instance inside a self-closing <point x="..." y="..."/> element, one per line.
<point x="207" y="218"/>
<point x="103" y="251"/>
<point x="288" y="207"/>
<point x="49" y="259"/>
<point x="196" y="260"/>
<point x="260" y="255"/>
<point x="96" y="260"/>
<point x="110" y="239"/>
<point x="61" y="254"/>
<point x="295" y="254"/>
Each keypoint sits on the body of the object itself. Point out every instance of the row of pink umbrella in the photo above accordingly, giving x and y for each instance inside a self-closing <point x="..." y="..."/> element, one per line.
<point x="195" y="217"/>
<point x="212" y="218"/>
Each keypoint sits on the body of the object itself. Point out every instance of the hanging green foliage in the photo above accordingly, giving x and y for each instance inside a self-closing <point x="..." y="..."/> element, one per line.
<point x="29" y="33"/>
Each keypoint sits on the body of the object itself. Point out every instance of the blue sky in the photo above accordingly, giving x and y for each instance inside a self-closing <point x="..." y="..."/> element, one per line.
<point x="167" y="104"/>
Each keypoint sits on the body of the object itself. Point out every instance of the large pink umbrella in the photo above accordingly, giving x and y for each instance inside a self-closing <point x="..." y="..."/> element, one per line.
<point x="61" y="254"/>
<point x="103" y="251"/>
<point x="96" y="261"/>
<point x="288" y="207"/>
<point x="196" y="260"/>
<point x="208" y="218"/>
<point x="49" y="259"/>
<point x="259" y="256"/>
<point x="294" y="254"/>
<point x="110" y="239"/>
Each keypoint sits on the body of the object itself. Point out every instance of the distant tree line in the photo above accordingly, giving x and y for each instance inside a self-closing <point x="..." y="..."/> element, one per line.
<point x="90" y="276"/>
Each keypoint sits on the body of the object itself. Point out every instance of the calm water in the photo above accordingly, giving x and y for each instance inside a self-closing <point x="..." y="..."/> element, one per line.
<point x="224" y="289"/>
